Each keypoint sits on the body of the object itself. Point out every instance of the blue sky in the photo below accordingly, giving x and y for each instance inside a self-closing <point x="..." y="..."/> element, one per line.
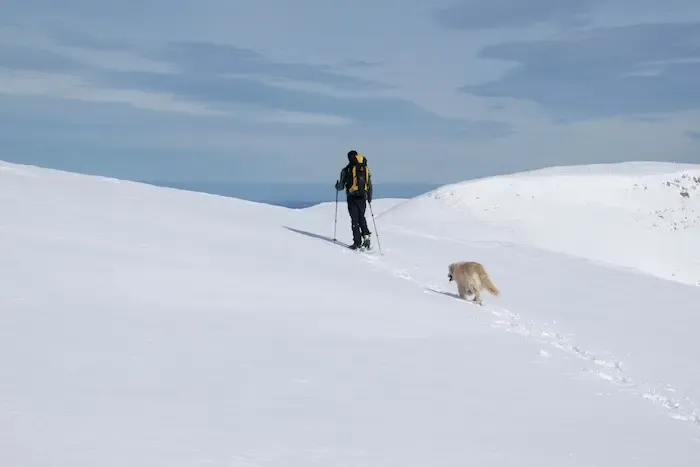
<point x="430" y="90"/>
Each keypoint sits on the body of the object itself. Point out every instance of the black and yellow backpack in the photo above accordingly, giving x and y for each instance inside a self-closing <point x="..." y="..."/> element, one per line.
<point x="359" y="176"/>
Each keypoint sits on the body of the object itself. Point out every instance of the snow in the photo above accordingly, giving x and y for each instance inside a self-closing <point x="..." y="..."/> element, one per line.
<point x="147" y="326"/>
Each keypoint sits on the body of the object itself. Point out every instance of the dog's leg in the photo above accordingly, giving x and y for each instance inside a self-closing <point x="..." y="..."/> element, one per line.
<point x="461" y="290"/>
<point x="477" y="297"/>
<point x="469" y="290"/>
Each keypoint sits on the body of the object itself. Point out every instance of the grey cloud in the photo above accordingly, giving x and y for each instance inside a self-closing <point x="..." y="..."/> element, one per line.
<point x="211" y="58"/>
<point x="488" y="14"/>
<point x="221" y="91"/>
<point x="644" y="69"/>
<point x="84" y="9"/>
<point x="33" y="59"/>
<point x="359" y="63"/>
<point x="206" y="58"/>
<point x="72" y="37"/>
<point x="694" y="135"/>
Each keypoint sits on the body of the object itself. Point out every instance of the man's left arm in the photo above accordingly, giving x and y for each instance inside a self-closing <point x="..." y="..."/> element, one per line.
<point x="340" y="183"/>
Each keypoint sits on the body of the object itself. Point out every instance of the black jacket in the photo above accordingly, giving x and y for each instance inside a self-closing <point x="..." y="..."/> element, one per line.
<point x="344" y="181"/>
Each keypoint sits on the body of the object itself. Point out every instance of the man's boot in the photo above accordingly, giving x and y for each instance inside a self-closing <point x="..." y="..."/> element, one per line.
<point x="366" y="241"/>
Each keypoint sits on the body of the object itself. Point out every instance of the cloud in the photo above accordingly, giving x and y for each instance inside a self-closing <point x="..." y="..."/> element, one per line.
<point x="220" y="91"/>
<point x="693" y="135"/>
<point x="62" y="86"/>
<point x="71" y="37"/>
<point x="489" y="14"/>
<point x="19" y="57"/>
<point x="285" y="116"/>
<point x="602" y="72"/>
<point x="205" y="58"/>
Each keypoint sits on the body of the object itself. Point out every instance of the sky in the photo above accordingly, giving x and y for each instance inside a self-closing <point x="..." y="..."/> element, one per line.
<point x="430" y="91"/>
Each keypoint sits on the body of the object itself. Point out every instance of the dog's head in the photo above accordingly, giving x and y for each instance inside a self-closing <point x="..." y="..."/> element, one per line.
<point x="450" y="271"/>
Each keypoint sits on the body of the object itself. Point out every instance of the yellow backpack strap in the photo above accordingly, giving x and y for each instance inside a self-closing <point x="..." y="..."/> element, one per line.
<point x="353" y="174"/>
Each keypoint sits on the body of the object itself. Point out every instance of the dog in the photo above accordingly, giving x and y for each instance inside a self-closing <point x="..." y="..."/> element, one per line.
<point x="471" y="279"/>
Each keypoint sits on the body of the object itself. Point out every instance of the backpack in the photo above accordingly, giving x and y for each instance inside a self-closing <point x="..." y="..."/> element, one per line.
<point x="359" y="176"/>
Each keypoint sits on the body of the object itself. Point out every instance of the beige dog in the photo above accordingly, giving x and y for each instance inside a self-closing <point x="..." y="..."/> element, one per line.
<point x="471" y="279"/>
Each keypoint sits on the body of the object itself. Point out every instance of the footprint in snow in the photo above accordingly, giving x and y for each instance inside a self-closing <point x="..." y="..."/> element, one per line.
<point x="403" y="274"/>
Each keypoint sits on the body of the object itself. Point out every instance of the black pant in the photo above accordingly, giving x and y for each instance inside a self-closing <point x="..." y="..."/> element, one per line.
<point x="356" y="208"/>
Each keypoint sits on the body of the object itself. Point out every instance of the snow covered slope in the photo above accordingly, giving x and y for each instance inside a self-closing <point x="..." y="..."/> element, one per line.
<point x="640" y="215"/>
<point x="145" y="326"/>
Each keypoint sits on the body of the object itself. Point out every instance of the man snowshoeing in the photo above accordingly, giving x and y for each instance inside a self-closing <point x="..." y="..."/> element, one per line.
<point x="357" y="181"/>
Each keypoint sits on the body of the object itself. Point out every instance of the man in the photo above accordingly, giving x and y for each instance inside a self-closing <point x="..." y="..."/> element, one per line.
<point x="357" y="181"/>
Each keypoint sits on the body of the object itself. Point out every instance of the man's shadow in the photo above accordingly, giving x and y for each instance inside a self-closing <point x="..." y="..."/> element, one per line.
<point x="447" y="294"/>
<point x="318" y="236"/>
<point x="338" y="242"/>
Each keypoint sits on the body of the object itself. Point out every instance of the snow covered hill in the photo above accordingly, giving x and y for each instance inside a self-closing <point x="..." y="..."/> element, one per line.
<point x="639" y="215"/>
<point x="147" y="326"/>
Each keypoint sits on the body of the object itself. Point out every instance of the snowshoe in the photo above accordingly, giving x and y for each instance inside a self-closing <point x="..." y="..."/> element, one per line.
<point x="366" y="244"/>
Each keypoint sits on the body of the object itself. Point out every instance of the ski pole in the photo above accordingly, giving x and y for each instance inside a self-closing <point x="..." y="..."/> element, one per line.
<point x="376" y="232"/>
<point x="335" y="223"/>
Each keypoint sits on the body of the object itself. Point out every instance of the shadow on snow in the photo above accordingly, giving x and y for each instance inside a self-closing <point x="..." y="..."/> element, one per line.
<point x="317" y="236"/>
<point x="441" y="292"/>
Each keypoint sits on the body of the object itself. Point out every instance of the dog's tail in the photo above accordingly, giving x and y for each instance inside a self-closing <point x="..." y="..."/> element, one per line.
<point x="486" y="281"/>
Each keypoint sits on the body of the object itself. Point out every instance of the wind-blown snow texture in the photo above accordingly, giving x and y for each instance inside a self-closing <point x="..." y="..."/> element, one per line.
<point x="147" y="326"/>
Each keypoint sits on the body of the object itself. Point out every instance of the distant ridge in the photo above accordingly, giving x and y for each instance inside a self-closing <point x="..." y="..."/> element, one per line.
<point x="293" y="195"/>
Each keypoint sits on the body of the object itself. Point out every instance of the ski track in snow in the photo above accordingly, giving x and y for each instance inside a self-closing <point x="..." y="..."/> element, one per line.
<point x="607" y="369"/>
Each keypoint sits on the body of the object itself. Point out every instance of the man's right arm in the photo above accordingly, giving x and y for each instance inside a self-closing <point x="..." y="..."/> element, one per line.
<point x="370" y="189"/>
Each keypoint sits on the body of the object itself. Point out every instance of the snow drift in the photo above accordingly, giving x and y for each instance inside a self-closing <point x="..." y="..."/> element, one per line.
<point x="639" y="215"/>
<point x="148" y="326"/>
